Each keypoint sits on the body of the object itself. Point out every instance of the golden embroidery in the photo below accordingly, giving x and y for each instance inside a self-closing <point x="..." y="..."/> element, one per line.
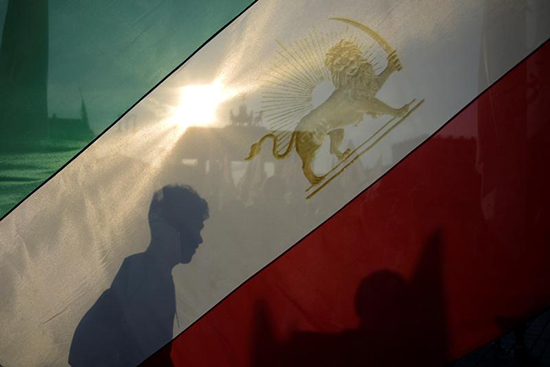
<point x="351" y="68"/>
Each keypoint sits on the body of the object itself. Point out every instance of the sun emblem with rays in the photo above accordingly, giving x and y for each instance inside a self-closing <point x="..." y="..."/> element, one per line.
<point x="352" y="69"/>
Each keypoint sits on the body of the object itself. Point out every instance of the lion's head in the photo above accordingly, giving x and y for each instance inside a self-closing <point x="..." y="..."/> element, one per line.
<point x="348" y="67"/>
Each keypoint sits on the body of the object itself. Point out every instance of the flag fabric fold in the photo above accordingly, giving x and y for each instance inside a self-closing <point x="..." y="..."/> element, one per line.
<point x="275" y="125"/>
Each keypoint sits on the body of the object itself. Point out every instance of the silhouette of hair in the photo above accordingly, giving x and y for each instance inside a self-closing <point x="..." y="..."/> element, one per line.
<point x="176" y="203"/>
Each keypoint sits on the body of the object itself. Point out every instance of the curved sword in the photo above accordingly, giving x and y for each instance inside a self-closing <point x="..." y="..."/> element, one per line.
<point x="382" y="42"/>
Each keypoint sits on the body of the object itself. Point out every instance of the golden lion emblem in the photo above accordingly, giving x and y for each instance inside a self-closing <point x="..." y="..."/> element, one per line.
<point x="356" y="85"/>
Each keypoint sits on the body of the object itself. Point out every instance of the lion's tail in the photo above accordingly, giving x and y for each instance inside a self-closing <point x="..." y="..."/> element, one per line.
<point x="257" y="147"/>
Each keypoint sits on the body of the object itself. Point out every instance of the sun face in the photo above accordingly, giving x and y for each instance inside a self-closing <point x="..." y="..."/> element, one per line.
<point x="198" y="105"/>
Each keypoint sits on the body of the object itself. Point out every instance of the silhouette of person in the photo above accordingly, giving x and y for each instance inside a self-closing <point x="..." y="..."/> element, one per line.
<point x="134" y="317"/>
<point x="402" y="323"/>
<point x="382" y="304"/>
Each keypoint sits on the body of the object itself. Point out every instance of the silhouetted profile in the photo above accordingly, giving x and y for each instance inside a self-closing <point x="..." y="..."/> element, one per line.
<point x="134" y="317"/>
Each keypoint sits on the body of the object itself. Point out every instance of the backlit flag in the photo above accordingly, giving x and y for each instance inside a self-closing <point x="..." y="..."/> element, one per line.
<point x="68" y="70"/>
<point x="257" y="142"/>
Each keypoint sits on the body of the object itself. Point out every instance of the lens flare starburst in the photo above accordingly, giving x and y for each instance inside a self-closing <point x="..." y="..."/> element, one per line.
<point x="198" y="105"/>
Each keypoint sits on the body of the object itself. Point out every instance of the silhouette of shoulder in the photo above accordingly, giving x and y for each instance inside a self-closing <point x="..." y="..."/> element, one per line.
<point x="130" y="277"/>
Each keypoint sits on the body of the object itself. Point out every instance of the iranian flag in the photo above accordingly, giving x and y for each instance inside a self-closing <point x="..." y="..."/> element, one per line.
<point x="322" y="183"/>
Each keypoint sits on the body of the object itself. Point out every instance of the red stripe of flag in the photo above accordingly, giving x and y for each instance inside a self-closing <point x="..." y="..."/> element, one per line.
<point x="424" y="266"/>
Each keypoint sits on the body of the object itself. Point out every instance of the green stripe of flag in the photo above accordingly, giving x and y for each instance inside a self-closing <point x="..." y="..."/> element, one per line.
<point x="96" y="59"/>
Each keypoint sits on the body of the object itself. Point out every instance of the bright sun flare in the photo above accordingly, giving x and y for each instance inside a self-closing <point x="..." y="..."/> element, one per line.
<point x="198" y="104"/>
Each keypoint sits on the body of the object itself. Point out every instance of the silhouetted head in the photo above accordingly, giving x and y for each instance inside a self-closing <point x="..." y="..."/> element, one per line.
<point x="381" y="300"/>
<point x="182" y="213"/>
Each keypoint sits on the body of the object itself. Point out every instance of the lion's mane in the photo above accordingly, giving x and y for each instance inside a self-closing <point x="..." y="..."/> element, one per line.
<point x="349" y="69"/>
